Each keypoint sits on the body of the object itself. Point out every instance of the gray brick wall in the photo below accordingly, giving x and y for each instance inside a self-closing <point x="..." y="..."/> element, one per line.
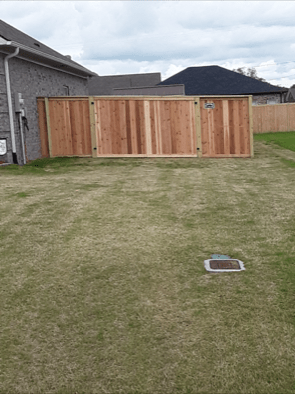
<point x="32" y="80"/>
<point x="274" y="98"/>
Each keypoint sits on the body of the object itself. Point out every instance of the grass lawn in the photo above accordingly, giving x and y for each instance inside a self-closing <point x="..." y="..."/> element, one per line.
<point x="284" y="139"/>
<point x="102" y="283"/>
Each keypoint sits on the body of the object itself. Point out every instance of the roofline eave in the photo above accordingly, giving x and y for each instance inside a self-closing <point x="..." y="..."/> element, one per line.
<point x="237" y="94"/>
<point x="44" y="55"/>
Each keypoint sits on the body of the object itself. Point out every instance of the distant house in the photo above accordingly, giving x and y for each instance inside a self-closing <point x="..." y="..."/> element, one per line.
<point x="216" y="80"/>
<point x="107" y="85"/>
<point x="163" y="90"/>
<point x="29" y="69"/>
<point x="290" y="98"/>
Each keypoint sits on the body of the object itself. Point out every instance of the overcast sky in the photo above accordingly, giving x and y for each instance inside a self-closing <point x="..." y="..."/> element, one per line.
<point x="125" y="37"/>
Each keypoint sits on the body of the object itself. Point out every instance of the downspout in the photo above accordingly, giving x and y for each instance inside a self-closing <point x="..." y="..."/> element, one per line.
<point x="10" y="111"/>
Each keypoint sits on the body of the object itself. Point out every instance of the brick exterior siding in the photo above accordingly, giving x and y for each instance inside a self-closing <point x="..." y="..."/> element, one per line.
<point x="274" y="98"/>
<point x="31" y="80"/>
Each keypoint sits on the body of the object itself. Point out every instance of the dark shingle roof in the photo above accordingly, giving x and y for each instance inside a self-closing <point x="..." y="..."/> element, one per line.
<point x="10" y="33"/>
<point x="216" y="80"/>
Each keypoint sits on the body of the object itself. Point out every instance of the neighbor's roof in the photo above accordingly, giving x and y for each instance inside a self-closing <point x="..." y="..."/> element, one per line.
<point x="216" y="80"/>
<point x="34" y="50"/>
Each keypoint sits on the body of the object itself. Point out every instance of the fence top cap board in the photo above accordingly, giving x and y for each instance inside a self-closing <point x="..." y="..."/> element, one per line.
<point x="174" y="97"/>
<point x="272" y="105"/>
<point x="62" y="97"/>
<point x="140" y="97"/>
<point x="225" y="96"/>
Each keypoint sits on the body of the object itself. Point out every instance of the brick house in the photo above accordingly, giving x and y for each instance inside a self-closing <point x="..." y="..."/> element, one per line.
<point x="29" y="69"/>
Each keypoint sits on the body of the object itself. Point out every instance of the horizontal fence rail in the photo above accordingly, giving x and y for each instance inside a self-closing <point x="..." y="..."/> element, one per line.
<point x="112" y="126"/>
<point x="272" y="118"/>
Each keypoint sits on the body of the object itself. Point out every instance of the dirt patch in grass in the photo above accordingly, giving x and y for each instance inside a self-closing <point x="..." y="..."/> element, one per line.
<point x="102" y="283"/>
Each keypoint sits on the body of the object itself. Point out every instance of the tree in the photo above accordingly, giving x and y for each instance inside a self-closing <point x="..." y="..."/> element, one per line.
<point x="250" y="72"/>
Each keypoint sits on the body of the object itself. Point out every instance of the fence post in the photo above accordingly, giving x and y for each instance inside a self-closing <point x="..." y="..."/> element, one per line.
<point x="251" y="125"/>
<point x="288" y="118"/>
<point x="92" y="126"/>
<point x="197" y="108"/>
<point x="48" y="126"/>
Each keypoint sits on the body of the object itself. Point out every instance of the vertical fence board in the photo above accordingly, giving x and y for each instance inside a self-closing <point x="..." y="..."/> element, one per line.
<point x="242" y="127"/>
<point x="195" y="117"/>
<point x="165" y="127"/>
<point x="204" y="130"/>
<point x="43" y="128"/>
<point x="128" y="126"/>
<point x="225" y="110"/>
<point x="291" y="117"/>
<point x="147" y="127"/>
<point x="218" y="123"/>
<point x="246" y="126"/>
<point x="251" y="126"/>
<point x="158" y="128"/>
<point x="153" y="127"/>
<point x="134" y="145"/>
<point x="123" y="126"/>
<point x="98" y="130"/>
<point x="76" y="116"/>
<point x="231" y="126"/>
<point x="236" y="128"/>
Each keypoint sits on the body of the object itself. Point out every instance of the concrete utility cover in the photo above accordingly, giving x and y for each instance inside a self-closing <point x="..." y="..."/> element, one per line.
<point x="223" y="264"/>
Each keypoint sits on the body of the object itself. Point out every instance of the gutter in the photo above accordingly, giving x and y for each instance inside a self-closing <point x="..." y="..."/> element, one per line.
<point x="46" y="56"/>
<point x="10" y="110"/>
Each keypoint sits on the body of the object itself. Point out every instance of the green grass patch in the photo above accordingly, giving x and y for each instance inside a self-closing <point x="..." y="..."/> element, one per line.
<point x="65" y="164"/>
<point x="283" y="139"/>
<point x="103" y="287"/>
<point x="289" y="163"/>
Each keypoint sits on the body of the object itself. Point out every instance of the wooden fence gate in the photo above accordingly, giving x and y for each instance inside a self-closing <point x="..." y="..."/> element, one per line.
<point x="113" y="126"/>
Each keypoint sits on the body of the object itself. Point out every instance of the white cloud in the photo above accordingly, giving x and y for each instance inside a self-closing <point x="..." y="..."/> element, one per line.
<point x="112" y="37"/>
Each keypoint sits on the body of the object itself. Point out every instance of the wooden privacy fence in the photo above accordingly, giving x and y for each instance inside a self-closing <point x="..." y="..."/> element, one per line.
<point x="272" y="118"/>
<point x="113" y="126"/>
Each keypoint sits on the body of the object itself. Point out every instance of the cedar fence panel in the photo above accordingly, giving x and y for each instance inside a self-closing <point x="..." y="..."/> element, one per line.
<point x="145" y="127"/>
<point x="273" y="118"/>
<point x="135" y="126"/>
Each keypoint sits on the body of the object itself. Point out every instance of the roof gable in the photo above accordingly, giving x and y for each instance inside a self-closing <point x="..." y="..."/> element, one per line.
<point x="216" y="80"/>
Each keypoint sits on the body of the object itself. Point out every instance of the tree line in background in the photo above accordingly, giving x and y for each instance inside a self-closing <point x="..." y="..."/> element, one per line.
<point x="249" y="72"/>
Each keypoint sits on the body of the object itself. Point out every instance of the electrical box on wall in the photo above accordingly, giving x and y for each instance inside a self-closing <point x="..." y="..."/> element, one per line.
<point x="20" y="104"/>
